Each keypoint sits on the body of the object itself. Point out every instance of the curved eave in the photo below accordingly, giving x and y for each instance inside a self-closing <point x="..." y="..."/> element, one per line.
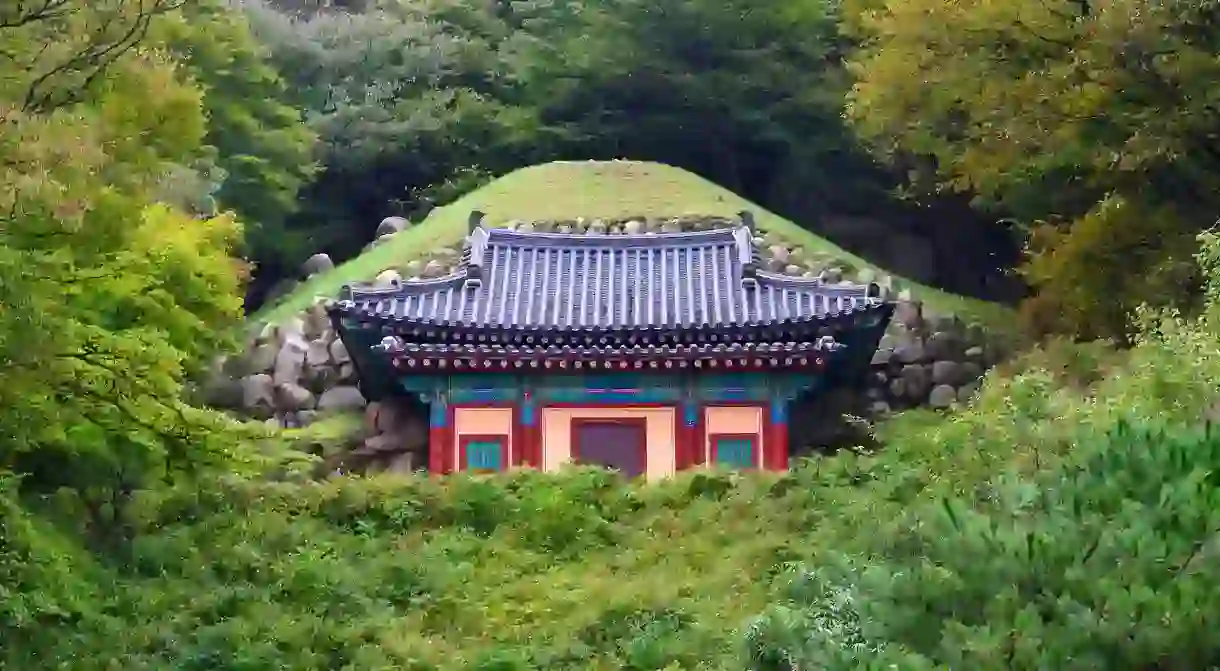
<point x="405" y="287"/>
<point x="403" y="324"/>
<point x="398" y="347"/>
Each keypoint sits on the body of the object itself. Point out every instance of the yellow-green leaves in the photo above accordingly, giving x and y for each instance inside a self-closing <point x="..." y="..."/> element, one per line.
<point x="109" y="299"/>
<point x="54" y="51"/>
<point x="1047" y="111"/>
<point x="263" y="149"/>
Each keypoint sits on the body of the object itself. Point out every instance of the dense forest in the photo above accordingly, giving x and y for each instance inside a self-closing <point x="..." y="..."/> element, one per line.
<point x="1076" y="135"/>
<point x="156" y="155"/>
<point x="404" y="106"/>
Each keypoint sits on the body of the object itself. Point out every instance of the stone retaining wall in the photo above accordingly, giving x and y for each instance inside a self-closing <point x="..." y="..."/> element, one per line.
<point x="292" y="372"/>
<point x="928" y="361"/>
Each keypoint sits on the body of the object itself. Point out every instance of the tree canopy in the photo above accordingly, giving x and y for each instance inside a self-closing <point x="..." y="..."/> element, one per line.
<point x="263" y="152"/>
<point x="1085" y="129"/>
<point x="1095" y="123"/>
<point x="411" y="98"/>
<point x="110" y="297"/>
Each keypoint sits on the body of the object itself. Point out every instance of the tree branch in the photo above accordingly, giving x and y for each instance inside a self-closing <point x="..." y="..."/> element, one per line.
<point x="106" y="44"/>
<point x="18" y="15"/>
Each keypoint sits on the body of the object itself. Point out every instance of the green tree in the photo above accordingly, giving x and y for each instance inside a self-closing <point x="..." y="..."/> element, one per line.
<point x="263" y="149"/>
<point x="1095" y="123"/>
<point x="109" y="300"/>
<point x="1108" y="562"/>
<point x="660" y="79"/>
<point x="410" y="94"/>
<point x="413" y="96"/>
<point x="402" y="98"/>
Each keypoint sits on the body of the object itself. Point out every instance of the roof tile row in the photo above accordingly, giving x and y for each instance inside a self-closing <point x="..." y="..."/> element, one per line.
<point x="564" y="282"/>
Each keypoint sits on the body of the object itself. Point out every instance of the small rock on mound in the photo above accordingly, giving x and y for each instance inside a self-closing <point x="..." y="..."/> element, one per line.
<point x="318" y="263"/>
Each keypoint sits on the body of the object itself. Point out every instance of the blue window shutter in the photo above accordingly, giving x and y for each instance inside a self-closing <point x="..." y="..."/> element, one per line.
<point x="484" y="456"/>
<point x="734" y="453"/>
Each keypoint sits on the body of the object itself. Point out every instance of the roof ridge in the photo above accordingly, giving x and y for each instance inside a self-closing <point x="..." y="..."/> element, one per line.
<point x="509" y="237"/>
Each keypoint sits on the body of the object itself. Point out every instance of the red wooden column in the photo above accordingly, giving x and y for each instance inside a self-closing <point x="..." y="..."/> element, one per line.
<point x="440" y="437"/>
<point x="775" y="444"/>
<point x="530" y="451"/>
<point x="698" y="432"/>
<point x="687" y="434"/>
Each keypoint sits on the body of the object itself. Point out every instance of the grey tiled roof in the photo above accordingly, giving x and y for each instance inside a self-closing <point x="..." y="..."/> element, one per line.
<point x="571" y="282"/>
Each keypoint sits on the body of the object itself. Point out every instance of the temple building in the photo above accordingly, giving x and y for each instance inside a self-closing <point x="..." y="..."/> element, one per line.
<point x="647" y="353"/>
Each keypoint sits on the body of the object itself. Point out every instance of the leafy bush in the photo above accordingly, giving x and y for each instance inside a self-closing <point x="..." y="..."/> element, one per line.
<point x="1107" y="562"/>
<point x="560" y="571"/>
<point x="1051" y="525"/>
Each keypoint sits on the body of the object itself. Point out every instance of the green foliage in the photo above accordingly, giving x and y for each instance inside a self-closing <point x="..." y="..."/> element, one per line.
<point x="1035" y="529"/>
<point x="1089" y="122"/>
<point x="1102" y="563"/>
<point x="1084" y="271"/>
<point x="652" y="80"/>
<point x="109" y="299"/>
<point x="1053" y="524"/>
<point x="40" y="574"/>
<point x="263" y="147"/>
<point x="568" y="571"/>
<point x="414" y="97"/>
<point x="1066" y="519"/>
<point x="402" y="99"/>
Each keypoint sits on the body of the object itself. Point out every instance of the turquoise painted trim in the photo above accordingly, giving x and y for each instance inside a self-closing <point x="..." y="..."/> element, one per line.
<point x="422" y="385"/>
<point x="655" y="395"/>
<point x="438" y="413"/>
<point x="731" y="394"/>
<point x="486" y="380"/>
<point x="529" y="410"/>
<point x="734" y="380"/>
<point x="694" y="389"/>
<point x="790" y="388"/>
<point x="501" y="395"/>
<point x="690" y="412"/>
<point x="779" y="411"/>
<point x="614" y="381"/>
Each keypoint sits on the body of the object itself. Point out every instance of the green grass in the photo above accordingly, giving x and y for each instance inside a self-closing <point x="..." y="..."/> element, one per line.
<point x="595" y="189"/>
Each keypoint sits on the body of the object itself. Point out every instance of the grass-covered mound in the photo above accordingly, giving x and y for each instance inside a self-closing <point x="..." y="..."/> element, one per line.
<point x="590" y="189"/>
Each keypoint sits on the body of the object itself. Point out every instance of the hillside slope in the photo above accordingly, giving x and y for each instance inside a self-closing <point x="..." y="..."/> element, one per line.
<point x="593" y="189"/>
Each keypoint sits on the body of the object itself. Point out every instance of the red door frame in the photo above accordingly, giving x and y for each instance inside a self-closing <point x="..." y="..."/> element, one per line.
<point x="513" y="440"/>
<point x="768" y="443"/>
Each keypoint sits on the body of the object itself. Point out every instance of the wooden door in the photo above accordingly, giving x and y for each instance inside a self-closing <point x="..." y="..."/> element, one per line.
<point x="619" y="444"/>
